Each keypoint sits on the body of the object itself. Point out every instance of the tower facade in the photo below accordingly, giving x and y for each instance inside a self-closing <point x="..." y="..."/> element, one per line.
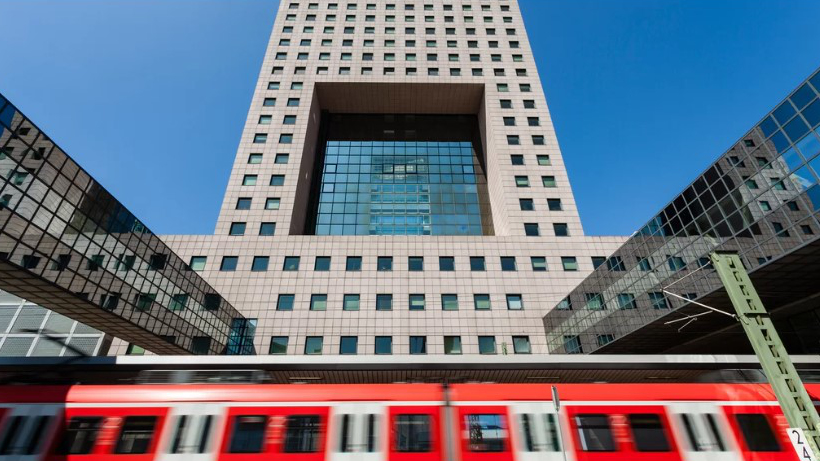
<point x="398" y="188"/>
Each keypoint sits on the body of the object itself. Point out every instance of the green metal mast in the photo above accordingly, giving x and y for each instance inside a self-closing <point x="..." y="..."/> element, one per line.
<point x="778" y="367"/>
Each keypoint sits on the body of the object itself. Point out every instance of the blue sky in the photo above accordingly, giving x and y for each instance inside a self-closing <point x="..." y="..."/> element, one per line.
<point x="150" y="95"/>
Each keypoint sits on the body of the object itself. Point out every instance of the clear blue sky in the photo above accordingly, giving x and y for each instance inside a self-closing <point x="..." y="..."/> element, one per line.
<point x="150" y="96"/>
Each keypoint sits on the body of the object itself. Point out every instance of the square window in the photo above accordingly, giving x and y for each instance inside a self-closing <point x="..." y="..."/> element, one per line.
<point x="506" y="104"/>
<point x="481" y="302"/>
<point x="278" y="345"/>
<point x="529" y="104"/>
<point x="293" y="102"/>
<point x="554" y="204"/>
<point x="521" y="345"/>
<point x="486" y="345"/>
<point x="415" y="263"/>
<point x="198" y="263"/>
<point x="446" y="263"/>
<point x="543" y="160"/>
<point x="277" y="180"/>
<point x="548" y="181"/>
<point x="348" y="345"/>
<point x="354" y="263"/>
<point x="286" y="138"/>
<point x="267" y="229"/>
<point x="255" y="159"/>
<point x="452" y="344"/>
<point x="509" y="121"/>
<point x="313" y="345"/>
<point x="350" y="302"/>
<point x="228" y="263"/>
<point x="508" y="264"/>
<point x="384" y="345"/>
<point x="265" y="119"/>
<point x="537" y="140"/>
<point x="260" y="263"/>
<point x="291" y="263"/>
<point x="522" y="181"/>
<point x="272" y="203"/>
<point x="626" y="301"/>
<point x="513" y="140"/>
<point x="318" y="302"/>
<point x="322" y="264"/>
<point x="285" y="302"/>
<point x="569" y="263"/>
<point x="243" y="203"/>
<point x="477" y="263"/>
<point x="237" y="228"/>
<point x="289" y="120"/>
<point x="384" y="302"/>
<point x="526" y="204"/>
<point x="531" y="230"/>
<point x="384" y="263"/>
<point x="539" y="263"/>
<point x="416" y="302"/>
<point x="515" y="302"/>
<point x="517" y="159"/>
<point x="418" y="344"/>
<point x="449" y="302"/>
<point x="260" y="138"/>
<point x="269" y="102"/>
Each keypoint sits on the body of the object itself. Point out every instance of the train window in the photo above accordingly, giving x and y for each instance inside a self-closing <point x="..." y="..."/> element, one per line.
<point x="486" y="432"/>
<point x="412" y="433"/>
<point x="136" y="434"/>
<point x="248" y="434"/>
<point x="691" y="432"/>
<point x="526" y="428"/>
<point x="10" y="436"/>
<point x="302" y="434"/>
<point x="35" y="436"/>
<point x="204" y="432"/>
<point x="80" y="435"/>
<point x="595" y="432"/>
<point x="647" y="430"/>
<point x="711" y="423"/>
<point x="371" y="433"/>
<point x="179" y="431"/>
<point x="345" y="445"/>
<point x="553" y="443"/>
<point x="757" y="432"/>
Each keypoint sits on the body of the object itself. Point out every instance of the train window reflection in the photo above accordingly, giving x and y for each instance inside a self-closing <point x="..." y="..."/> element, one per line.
<point x="136" y="435"/>
<point x="345" y="444"/>
<point x="553" y="443"/>
<point x="757" y="432"/>
<point x="204" y="433"/>
<point x="595" y="432"/>
<point x="647" y="429"/>
<point x="711" y="423"/>
<point x="302" y="434"/>
<point x="10" y="436"/>
<point x="179" y="431"/>
<point x="486" y="432"/>
<point x="80" y="436"/>
<point x="35" y="436"/>
<point x="691" y="432"/>
<point x="412" y="433"/>
<point x="248" y="434"/>
<point x="371" y="433"/>
<point x="526" y="428"/>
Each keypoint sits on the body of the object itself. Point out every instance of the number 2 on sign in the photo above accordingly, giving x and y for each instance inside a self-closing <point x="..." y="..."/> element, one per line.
<point x="801" y="447"/>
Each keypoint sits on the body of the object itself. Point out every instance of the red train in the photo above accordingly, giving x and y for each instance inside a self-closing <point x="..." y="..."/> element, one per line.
<point x="395" y="422"/>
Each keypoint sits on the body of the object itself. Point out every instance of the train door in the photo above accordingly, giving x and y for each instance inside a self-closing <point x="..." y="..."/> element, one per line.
<point x="192" y="432"/>
<point x="703" y="431"/>
<point x="357" y="432"/>
<point x="26" y="430"/>
<point x="536" y="432"/>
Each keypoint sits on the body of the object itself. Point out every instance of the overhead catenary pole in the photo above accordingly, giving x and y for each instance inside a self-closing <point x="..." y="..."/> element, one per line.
<point x="778" y="367"/>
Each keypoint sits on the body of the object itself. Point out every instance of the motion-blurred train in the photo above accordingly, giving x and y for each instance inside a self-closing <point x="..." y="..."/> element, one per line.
<point x="395" y="422"/>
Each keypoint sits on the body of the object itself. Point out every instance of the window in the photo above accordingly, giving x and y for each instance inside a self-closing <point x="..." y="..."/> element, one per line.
<point x="554" y="204"/>
<point x="418" y="344"/>
<point x="486" y="432"/>
<point x="510" y="121"/>
<point x="539" y="263"/>
<point x="486" y="345"/>
<point x="350" y="302"/>
<point x="648" y="432"/>
<point x="508" y="263"/>
<point x="278" y="345"/>
<point x="267" y="229"/>
<point x="595" y="432"/>
<point x="260" y="138"/>
<point x="384" y="263"/>
<point x="243" y="203"/>
<point x="265" y="119"/>
<point x="757" y="432"/>
<point x="548" y="181"/>
<point x="269" y="102"/>
<point x="506" y="104"/>
<point x="415" y="263"/>
<point x="384" y="345"/>
<point x="179" y="301"/>
<point x="302" y="434"/>
<point x="446" y="263"/>
<point x="237" y="228"/>
<point x="615" y="264"/>
<point x="384" y="302"/>
<point x="449" y="302"/>
<point x="452" y="345"/>
<point x="277" y="180"/>
<point x="313" y="345"/>
<point x="564" y="304"/>
<point x="515" y="302"/>
<point x="272" y="203"/>
<point x="322" y="264"/>
<point x="513" y="140"/>
<point x="291" y="263"/>
<point x="643" y="264"/>
<point x="281" y="159"/>
<point x="561" y="229"/>
<point x="517" y="159"/>
<point x="228" y="263"/>
<point x="522" y="181"/>
<point x="416" y="302"/>
<point x="477" y="263"/>
<point x="658" y="300"/>
<point x="135" y="435"/>
<point x="594" y="301"/>
<point x="353" y="264"/>
<point x="529" y="104"/>
<point x="531" y="230"/>
<point x="626" y="301"/>
<point x="318" y="302"/>
<point x="198" y="263"/>
<point x="249" y="180"/>
<point x="255" y="159"/>
<point x="604" y="339"/>
<point x="80" y="436"/>
<point x="570" y="263"/>
<point x="286" y="138"/>
<point x="521" y="345"/>
<point x="348" y="345"/>
<point x="481" y="302"/>
<point x="537" y="140"/>
<point x="412" y="433"/>
<point x="676" y="263"/>
<point x="284" y="302"/>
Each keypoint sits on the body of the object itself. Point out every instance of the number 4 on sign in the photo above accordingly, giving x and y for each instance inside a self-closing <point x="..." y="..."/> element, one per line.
<point x="801" y="446"/>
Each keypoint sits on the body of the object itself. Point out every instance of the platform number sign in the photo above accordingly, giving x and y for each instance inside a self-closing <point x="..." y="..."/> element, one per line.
<point x="801" y="445"/>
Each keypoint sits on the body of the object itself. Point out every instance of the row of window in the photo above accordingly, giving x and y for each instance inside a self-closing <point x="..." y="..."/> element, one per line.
<point x="383" y="345"/>
<point x="409" y="43"/>
<point x="279" y="180"/>
<point x="411" y="57"/>
<point x="268" y="229"/>
<point x="384" y="302"/>
<point x="471" y="31"/>
<point x="392" y="7"/>
<point x="385" y="263"/>
<point x="595" y="301"/>
<point x="412" y="71"/>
